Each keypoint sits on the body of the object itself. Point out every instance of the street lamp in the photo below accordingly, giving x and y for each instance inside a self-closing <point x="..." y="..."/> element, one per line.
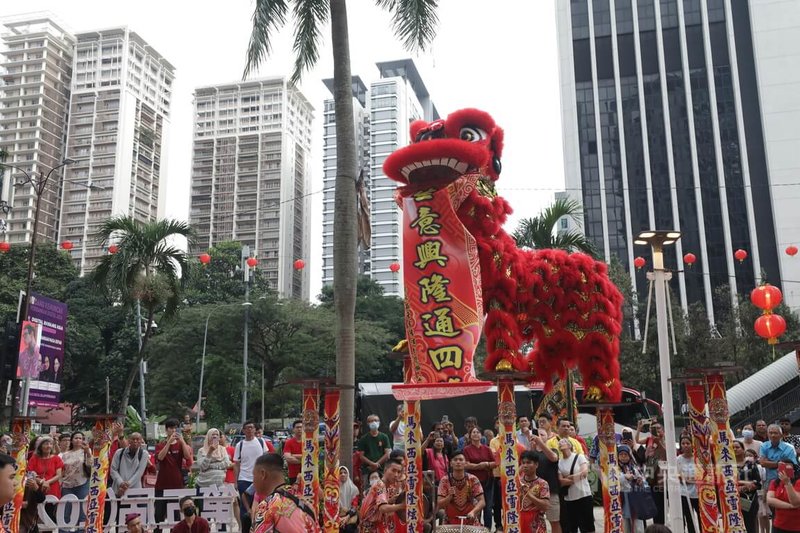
<point x="203" y="366"/>
<point x="657" y="240"/>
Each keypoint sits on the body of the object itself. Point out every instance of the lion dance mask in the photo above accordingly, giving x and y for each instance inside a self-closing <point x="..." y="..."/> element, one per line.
<point x="563" y="304"/>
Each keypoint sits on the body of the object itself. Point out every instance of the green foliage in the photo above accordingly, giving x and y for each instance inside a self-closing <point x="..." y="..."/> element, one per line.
<point x="221" y="280"/>
<point x="539" y="232"/>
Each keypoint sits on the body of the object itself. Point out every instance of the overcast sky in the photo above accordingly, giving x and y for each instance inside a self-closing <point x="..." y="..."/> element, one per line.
<point x="498" y="56"/>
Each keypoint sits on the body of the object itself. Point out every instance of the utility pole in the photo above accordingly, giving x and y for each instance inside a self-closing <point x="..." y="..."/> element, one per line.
<point x="246" y="304"/>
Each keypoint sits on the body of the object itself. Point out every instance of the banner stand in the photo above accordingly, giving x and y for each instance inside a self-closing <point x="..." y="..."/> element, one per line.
<point x="20" y="433"/>
<point x="609" y="466"/>
<point x="332" y="414"/>
<point x="101" y="444"/>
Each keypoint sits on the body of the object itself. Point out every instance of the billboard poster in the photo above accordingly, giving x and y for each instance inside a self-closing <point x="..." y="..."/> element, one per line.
<point x="50" y="316"/>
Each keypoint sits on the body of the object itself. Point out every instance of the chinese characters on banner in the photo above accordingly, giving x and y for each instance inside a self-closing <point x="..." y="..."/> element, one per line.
<point x="309" y="473"/>
<point x="415" y="508"/>
<point x="703" y="459"/>
<point x="331" y="517"/>
<point x="509" y="458"/>
<point x="101" y="438"/>
<point x="11" y="512"/>
<point x="727" y="477"/>
<point x="609" y="470"/>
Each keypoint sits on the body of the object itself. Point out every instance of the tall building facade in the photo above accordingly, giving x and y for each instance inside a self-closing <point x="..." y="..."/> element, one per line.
<point x="382" y="116"/>
<point x="34" y="96"/>
<point x="251" y="175"/>
<point x="119" y="120"/>
<point x="666" y="124"/>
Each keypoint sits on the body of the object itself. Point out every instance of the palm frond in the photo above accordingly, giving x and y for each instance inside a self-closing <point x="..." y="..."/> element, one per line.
<point x="310" y="16"/>
<point x="414" y="21"/>
<point x="268" y="16"/>
<point x="539" y="232"/>
<point x="573" y="240"/>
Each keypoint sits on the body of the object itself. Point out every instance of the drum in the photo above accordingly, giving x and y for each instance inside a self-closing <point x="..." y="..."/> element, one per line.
<point x="451" y="528"/>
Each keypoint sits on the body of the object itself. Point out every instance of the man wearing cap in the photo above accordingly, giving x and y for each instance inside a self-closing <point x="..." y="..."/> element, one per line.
<point x="133" y="522"/>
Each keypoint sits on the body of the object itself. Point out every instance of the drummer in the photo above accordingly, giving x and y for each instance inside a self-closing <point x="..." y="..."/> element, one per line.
<point x="460" y="493"/>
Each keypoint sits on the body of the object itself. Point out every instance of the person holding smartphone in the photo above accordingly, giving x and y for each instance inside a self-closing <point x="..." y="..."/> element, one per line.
<point x="784" y="498"/>
<point x="212" y="461"/>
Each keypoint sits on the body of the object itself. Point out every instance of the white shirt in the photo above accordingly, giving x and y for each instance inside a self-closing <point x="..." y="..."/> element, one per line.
<point x="246" y="452"/>
<point x="399" y="436"/>
<point x="580" y="488"/>
<point x="687" y="471"/>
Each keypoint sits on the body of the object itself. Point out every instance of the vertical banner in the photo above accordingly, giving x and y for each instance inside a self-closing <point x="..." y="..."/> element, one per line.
<point x="722" y="444"/>
<point x="51" y="317"/>
<point x="555" y="404"/>
<point x="101" y="443"/>
<point x="703" y="459"/>
<point x="331" y="507"/>
<point x="509" y="458"/>
<point x="20" y="433"/>
<point x="609" y="471"/>
<point x="415" y="504"/>
<point x="309" y="472"/>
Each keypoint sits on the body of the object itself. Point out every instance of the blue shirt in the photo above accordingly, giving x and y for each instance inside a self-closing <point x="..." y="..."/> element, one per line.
<point x="782" y="451"/>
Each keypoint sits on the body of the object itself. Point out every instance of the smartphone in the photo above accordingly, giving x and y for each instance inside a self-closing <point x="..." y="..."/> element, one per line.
<point x="445" y="419"/>
<point x="178" y="431"/>
<point x="627" y="435"/>
<point x="215" y="440"/>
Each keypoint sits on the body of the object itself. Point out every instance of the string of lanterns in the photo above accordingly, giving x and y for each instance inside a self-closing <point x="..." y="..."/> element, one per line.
<point x="769" y="325"/>
<point x="690" y="259"/>
<point x="205" y="260"/>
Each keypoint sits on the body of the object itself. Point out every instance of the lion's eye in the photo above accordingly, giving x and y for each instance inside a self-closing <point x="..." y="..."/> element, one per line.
<point x="471" y="134"/>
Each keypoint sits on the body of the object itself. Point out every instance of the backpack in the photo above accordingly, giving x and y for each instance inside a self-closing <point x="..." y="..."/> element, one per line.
<point x="260" y="441"/>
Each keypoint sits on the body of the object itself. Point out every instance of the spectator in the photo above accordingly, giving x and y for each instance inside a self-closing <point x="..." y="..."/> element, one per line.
<point x="545" y="429"/>
<point x="547" y="469"/>
<point x="749" y="485"/>
<point x="170" y="454"/>
<point x="212" y="461"/>
<point x="524" y="433"/>
<point x="450" y="440"/>
<point x="573" y="433"/>
<point x="655" y="457"/>
<point x="117" y="442"/>
<point x="192" y="522"/>
<point x="764" y="513"/>
<point x="573" y="471"/>
<point x="246" y="453"/>
<point x="488" y="435"/>
<point x="535" y="494"/>
<point x="374" y="447"/>
<point x="480" y="461"/>
<point x="436" y="459"/>
<point x="29" y="515"/>
<point x="378" y="507"/>
<point x="437" y="431"/>
<point x="686" y="476"/>
<point x="786" y="427"/>
<point x="6" y="444"/>
<point x="77" y="469"/>
<point x="128" y="465"/>
<point x="748" y="439"/>
<point x="230" y="478"/>
<point x="133" y="523"/>
<point x="186" y="425"/>
<point x="293" y="451"/>
<point x="280" y="510"/>
<point x="469" y="423"/>
<point x="563" y="433"/>
<point x="62" y="442"/>
<point x="357" y="455"/>
<point x="7" y="471"/>
<point x="774" y="451"/>
<point x="784" y="497"/>
<point x="460" y="494"/>
<point x="398" y="430"/>
<point x="348" y="502"/>
<point x="761" y="431"/>
<point x="632" y="480"/>
<point x="47" y="466"/>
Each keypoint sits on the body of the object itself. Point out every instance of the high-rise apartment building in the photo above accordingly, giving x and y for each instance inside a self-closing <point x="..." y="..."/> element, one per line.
<point x="251" y="175"/>
<point x="382" y="116"/>
<point x="118" y="124"/>
<point x="678" y="114"/>
<point x="34" y="96"/>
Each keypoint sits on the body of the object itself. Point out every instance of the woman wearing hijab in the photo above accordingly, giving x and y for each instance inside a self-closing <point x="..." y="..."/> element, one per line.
<point x="632" y="480"/>
<point x="348" y="502"/>
<point x="212" y="461"/>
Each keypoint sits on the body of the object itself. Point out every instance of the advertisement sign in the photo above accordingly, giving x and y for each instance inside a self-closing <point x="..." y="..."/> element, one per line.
<point x="50" y="316"/>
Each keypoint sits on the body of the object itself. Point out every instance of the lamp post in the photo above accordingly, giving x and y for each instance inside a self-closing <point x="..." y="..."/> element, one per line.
<point x="657" y="240"/>
<point x="246" y="265"/>
<point x="203" y="367"/>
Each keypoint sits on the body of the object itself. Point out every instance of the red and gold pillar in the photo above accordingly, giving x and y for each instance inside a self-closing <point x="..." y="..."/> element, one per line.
<point x="101" y="444"/>
<point x="20" y="433"/>
<point x="703" y="458"/>
<point x="609" y="469"/>
<point x="308" y="481"/>
<point x="509" y="458"/>
<point x="415" y="504"/>
<point x="331" y="507"/>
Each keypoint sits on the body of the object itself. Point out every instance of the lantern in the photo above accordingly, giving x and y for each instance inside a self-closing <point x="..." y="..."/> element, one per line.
<point x="113" y="249"/>
<point x="252" y="262"/>
<point x="639" y="262"/>
<point x="791" y="250"/>
<point x="770" y="327"/>
<point x="204" y="258"/>
<point x="740" y="255"/>
<point x="67" y="245"/>
<point x="766" y="297"/>
<point x="4" y="247"/>
<point x="299" y="264"/>
<point x="394" y="267"/>
<point x="689" y="259"/>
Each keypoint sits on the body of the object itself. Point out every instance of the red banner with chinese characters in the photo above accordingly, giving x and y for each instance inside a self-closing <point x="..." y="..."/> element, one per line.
<point x="609" y="470"/>
<point x="443" y="301"/>
<point x="95" y="505"/>
<point x="331" y="507"/>
<point x="415" y="504"/>
<point x="703" y="459"/>
<point x="509" y="458"/>
<point x="308" y="480"/>
<point x="722" y="444"/>
<point x="20" y="433"/>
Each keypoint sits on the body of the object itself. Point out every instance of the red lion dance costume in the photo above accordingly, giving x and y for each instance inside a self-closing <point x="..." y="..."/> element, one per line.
<point x="564" y="303"/>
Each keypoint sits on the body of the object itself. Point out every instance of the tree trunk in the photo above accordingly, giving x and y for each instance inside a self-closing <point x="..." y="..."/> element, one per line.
<point x="126" y="392"/>
<point x="345" y="271"/>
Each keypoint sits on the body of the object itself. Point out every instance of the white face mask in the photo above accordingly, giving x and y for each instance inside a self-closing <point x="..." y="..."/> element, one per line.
<point x="374" y="425"/>
<point x="748" y="433"/>
<point x="373" y="481"/>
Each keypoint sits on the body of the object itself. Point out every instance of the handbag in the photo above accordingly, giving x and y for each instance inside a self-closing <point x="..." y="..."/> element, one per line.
<point x="746" y="503"/>
<point x="563" y="491"/>
<point x="641" y="502"/>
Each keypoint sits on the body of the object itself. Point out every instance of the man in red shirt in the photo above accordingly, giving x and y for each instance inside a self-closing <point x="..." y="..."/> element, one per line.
<point x="293" y="451"/>
<point x="191" y="523"/>
<point x="170" y="455"/>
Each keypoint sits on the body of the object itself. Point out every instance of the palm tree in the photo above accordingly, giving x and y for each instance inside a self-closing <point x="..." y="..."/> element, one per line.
<point x="414" y="23"/>
<point x="540" y="231"/>
<point x="145" y="271"/>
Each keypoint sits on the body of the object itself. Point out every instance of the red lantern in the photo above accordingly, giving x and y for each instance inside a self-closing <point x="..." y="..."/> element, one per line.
<point x="204" y="258"/>
<point x="689" y="259"/>
<point x="252" y="262"/>
<point x="299" y="264"/>
<point x="766" y="297"/>
<point x="394" y="267"/>
<point x="740" y="255"/>
<point x="770" y="327"/>
<point x="639" y="262"/>
<point x="4" y="247"/>
<point x="791" y="250"/>
<point x="67" y="245"/>
<point x="113" y="249"/>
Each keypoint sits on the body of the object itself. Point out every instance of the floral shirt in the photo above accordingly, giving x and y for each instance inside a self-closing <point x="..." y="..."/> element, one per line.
<point x="372" y="520"/>
<point x="468" y="489"/>
<point x="73" y="474"/>
<point x="532" y="517"/>
<point x="279" y="513"/>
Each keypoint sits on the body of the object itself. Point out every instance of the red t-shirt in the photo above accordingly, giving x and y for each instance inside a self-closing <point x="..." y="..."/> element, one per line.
<point x="229" y="476"/>
<point x="787" y="519"/>
<point x="293" y="446"/>
<point x="47" y="469"/>
<point x="479" y="454"/>
<point x="170" y="475"/>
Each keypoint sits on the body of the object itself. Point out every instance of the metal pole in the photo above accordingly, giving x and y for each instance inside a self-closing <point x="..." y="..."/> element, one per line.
<point x="246" y="270"/>
<point x="31" y="257"/>
<point x="262" y="392"/>
<point x="673" y="510"/>
<point x="202" y="370"/>
<point x="142" y="403"/>
<point x="108" y="396"/>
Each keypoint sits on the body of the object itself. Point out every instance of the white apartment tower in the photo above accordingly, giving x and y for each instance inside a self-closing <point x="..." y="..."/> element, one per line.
<point x="118" y="124"/>
<point x="34" y="95"/>
<point x="251" y="172"/>
<point x="382" y="118"/>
